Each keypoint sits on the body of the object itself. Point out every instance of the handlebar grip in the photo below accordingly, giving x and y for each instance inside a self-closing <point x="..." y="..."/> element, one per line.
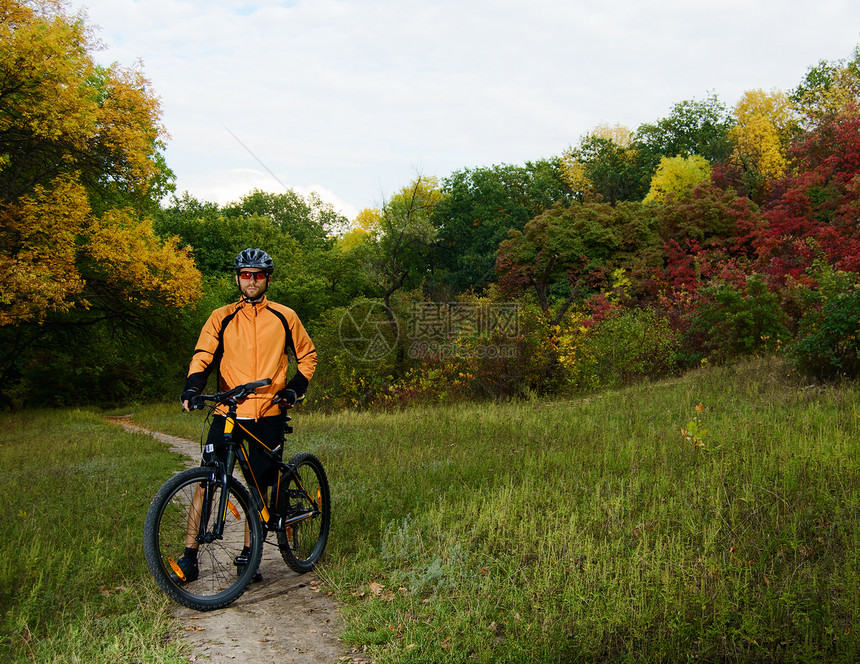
<point x="258" y="383"/>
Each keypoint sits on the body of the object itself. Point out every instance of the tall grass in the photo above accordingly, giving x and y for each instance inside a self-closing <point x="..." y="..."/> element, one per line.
<point x="595" y="530"/>
<point x="73" y="583"/>
<point x="709" y="518"/>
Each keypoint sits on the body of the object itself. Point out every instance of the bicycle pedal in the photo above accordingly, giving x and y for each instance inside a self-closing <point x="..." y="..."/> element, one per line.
<point x="241" y="561"/>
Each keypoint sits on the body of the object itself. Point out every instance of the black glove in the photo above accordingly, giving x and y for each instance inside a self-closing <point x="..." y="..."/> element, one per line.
<point x="287" y="397"/>
<point x="188" y="394"/>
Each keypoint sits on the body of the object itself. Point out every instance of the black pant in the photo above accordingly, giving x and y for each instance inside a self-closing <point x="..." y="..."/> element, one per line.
<point x="268" y="429"/>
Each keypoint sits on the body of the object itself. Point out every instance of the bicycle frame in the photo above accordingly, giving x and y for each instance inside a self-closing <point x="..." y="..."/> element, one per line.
<point x="225" y="469"/>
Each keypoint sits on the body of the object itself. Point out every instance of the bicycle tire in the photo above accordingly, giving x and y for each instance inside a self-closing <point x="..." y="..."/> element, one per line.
<point x="304" y="492"/>
<point x="220" y="581"/>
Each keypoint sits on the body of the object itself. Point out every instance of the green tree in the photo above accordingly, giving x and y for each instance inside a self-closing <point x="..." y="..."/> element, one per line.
<point x="694" y="127"/>
<point x="399" y="238"/>
<point x="606" y="163"/>
<point x="307" y="219"/>
<point x="314" y="281"/>
<point x="310" y="276"/>
<point x="213" y="237"/>
<point x="828" y="89"/>
<point x="567" y="253"/>
<point x="480" y="206"/>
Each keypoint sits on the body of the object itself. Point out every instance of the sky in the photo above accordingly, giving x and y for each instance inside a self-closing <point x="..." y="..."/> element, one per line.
<point x="353" y="99"/>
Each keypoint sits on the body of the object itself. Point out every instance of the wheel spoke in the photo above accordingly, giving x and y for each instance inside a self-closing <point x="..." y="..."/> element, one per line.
<point x="172" y="524"/>
<point x="304" y="505"/>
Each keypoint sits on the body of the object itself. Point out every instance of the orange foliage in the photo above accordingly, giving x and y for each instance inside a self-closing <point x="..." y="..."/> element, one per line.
<point x="138" y="264"/>
<point x="40" y="274"/>
<point x="69" y="129"/>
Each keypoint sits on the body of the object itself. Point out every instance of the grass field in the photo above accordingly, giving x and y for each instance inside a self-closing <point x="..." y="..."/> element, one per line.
<point x="712" y="517"/>
<point x="73" y="582"/>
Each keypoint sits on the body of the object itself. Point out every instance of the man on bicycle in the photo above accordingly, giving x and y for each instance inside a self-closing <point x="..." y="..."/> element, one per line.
<point x="248" y="341"/>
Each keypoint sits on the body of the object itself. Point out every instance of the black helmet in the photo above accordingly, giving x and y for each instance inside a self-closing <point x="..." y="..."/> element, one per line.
<point x="256" y="258"/>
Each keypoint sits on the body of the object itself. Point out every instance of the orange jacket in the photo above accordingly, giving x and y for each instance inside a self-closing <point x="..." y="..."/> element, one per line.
<point x="249" y="342"/>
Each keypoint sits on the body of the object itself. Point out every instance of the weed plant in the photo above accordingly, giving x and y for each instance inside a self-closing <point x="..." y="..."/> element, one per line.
<point x="73" y="583"/>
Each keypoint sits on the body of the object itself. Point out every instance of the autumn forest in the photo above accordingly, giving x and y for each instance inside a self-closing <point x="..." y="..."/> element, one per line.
<point x="709" y="234"/>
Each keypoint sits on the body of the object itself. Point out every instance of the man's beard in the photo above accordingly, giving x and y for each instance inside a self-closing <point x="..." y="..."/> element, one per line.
<point x="256" y="298"/>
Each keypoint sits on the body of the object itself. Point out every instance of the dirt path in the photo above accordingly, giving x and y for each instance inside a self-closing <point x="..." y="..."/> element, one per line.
<point x="287" y="617"/>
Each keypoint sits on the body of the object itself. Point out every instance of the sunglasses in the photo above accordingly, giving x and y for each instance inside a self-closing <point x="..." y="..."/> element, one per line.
<point x="248" y="276"/>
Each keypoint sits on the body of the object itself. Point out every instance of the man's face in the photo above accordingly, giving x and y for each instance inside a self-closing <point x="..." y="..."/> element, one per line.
<point x="252" y="283"/>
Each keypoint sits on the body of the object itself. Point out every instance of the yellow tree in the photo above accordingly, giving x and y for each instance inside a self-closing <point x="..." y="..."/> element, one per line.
<point x="619" y="134"/>
<point x="75" y="140"/>
<point x="765" y="123"/>
<point x="775" y="106"/>
<point x="676" y="176"/>
<point x="80" y="168"/>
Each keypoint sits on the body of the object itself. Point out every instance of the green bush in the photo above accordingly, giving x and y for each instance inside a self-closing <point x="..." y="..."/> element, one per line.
<point x="633" y="344"/>
<point x="360" y="353"/>
<point x="732" y="321"/>
<point x="826" y="344"/>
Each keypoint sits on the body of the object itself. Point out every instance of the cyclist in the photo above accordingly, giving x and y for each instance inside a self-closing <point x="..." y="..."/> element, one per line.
<point x="248" y="341"/>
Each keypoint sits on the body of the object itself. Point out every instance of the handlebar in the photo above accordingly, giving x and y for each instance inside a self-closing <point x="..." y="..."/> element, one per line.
<point x="238" y="393"/>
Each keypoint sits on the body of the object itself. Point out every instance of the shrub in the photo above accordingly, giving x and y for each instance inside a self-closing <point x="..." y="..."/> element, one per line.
<point x="633" y="344"/>
<point x="483" y="349"/>
<point x="576" y="354"/>
<point x="731" y="321"/>
<point x="359" y="353"/>
<point x="826" y="344"/>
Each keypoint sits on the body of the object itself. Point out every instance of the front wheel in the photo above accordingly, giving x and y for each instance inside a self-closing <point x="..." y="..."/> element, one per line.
<point x="304" y="504"/>
<point x="183" y="513"/>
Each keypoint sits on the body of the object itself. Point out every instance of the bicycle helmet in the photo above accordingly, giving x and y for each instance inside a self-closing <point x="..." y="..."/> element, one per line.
<point x="256" y="258"/>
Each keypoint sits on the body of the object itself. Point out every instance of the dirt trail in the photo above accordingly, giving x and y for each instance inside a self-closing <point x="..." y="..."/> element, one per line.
<point x="287" y="617"/>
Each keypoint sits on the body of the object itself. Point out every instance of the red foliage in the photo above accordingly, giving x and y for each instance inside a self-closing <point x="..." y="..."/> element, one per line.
<point x="727" y="175"/>
<point x="599" y="307"/>
<point x="512" y="276"/>
<point x="816" y="210"/>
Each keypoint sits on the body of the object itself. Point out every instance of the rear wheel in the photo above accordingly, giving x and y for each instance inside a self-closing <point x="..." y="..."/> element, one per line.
<point x="304" y="503"/>
<point x="186" y="500"/>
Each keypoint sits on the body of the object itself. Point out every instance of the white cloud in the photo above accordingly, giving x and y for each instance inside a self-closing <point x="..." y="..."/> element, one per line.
<point x="229" y="186"/>
<point x="358" y="96"/>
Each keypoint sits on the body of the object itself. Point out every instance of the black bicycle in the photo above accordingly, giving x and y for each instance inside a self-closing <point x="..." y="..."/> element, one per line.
<point x="209" y="509"/>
